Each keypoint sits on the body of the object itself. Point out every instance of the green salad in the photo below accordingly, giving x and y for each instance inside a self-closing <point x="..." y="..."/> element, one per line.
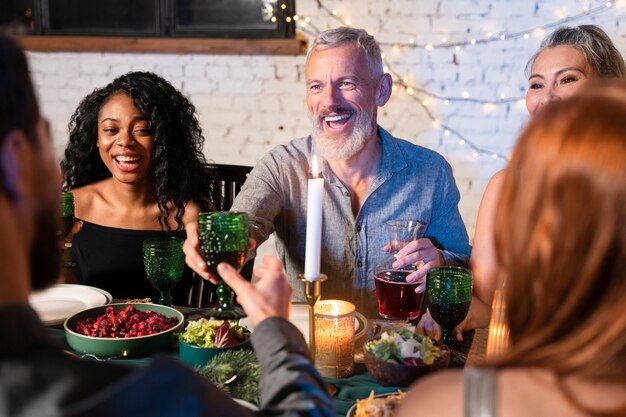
<point x="213" y="333"/>
<point x="404" y="346"/>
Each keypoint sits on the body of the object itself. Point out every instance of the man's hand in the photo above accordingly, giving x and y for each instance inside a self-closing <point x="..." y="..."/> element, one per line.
<point x="421" y="253"/>
<point x="193" y="257"/>
<point x="269" y="297"/>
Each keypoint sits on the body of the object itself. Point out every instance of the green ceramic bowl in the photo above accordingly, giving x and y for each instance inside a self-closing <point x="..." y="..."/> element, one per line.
<point x="199" y="356"/>
<point x="131" y="347"/>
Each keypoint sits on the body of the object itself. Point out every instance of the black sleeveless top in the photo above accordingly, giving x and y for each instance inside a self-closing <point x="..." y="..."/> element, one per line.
<point x="112" y="259"/>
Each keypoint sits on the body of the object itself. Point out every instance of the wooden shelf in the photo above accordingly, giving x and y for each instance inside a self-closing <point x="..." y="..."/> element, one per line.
<point x="232" y="46"/>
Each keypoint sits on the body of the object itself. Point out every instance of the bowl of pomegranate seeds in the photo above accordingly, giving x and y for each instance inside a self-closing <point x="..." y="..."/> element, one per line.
<point x="128" y="330"/>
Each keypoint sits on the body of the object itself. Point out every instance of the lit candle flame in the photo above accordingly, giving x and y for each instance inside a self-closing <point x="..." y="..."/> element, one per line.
<point x="314" y="168"/>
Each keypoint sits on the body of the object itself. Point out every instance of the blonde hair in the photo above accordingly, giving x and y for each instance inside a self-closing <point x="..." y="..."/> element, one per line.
<point x="561" y="237"/>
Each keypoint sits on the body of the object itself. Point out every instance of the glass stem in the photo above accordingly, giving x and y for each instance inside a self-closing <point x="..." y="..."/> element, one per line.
<point x="224" y="295"/>
<point x="165" y="298"/>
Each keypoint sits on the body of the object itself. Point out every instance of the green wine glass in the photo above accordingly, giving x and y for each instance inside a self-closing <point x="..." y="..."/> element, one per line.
<point x="224" y="237"/>
<point x="164" y="260"/>
<point x="448" y="298"/>
<point x="67" y="213"/>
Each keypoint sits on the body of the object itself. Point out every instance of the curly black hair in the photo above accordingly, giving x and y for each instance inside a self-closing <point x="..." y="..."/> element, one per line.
<point x="179" y="169"/>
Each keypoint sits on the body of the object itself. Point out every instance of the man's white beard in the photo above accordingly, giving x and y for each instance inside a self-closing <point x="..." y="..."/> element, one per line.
<point x="342" y="147"/>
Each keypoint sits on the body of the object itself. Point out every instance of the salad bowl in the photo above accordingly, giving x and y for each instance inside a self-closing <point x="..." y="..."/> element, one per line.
<point x="400" y="356"/>
<point x="202" y="340"/>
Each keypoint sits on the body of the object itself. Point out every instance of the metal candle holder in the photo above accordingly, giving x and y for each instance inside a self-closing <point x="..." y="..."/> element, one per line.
<point x="312" y="292"/>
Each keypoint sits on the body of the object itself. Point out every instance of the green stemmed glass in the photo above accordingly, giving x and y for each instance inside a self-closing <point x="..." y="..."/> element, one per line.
<point x="224" y="237"/>
<point x="448" y="298"/>
<point x="164" y="260"/>
<point x="67" y="213"/>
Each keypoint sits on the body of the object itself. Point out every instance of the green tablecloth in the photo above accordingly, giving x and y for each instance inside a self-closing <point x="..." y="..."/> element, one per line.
<point x="355" y="388"/>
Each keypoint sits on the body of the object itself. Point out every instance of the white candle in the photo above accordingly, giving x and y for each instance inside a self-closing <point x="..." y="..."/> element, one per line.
<point x="313" y="224"/>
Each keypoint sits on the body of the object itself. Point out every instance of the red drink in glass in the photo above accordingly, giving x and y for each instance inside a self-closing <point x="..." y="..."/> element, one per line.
<point x="397" y="298"/>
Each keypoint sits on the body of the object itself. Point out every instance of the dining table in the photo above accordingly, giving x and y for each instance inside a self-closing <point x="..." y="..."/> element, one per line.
<point x="345" y="391"/>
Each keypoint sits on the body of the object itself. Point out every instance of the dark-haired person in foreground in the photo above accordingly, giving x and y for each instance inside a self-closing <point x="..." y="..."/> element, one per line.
<point x="37" y="378"/>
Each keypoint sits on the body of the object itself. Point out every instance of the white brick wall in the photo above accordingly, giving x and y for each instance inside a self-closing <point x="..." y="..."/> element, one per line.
<point x="248" y="104"/>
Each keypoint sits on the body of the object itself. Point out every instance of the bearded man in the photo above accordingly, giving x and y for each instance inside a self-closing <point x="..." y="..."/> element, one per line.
<point x="370" y="177"/>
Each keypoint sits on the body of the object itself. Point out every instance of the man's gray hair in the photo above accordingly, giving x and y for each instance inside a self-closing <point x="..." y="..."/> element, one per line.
<point x="593" y="43"/>
<point x="340" y="36"/>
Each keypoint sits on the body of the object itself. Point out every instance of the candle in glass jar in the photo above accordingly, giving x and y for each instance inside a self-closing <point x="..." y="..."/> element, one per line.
<point x="334" y="338"/>
<point x="315" y="195"/>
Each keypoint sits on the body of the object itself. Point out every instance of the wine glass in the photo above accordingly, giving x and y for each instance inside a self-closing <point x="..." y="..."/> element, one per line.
<point x="67" y="213"/>
<point x="163" y="260"/>
<point x="67" y="221"/>
<point x="224" y="237"/>
<point x="448" y="298"/>
<point x="396" y="297"/>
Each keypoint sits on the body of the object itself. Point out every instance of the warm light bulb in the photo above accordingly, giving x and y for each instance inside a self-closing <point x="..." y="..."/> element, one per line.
<point x="465" y="94"/>
<point x="307" y="19"/>
<point x="502" y="37"/>
<point x="473" y="41"/>
<point x="457" y="48"/>
<point x="347" y="22"/>
<point x="502" y="96"/>
<point x="461" y="142"/>
<point x="273" y="19"/>
<point x="296" y="17"/>
<point x="425" y="102"/>
<point x="429" y="47"/>
<point x="288" y="19"/>
<point x="409" y="91"/>
<point x="383" y="55"/>
<point x="444" y="40"/>
<point x="335" y="12"/>
<point x="436" y="123"/>
<point x="411" y="41"/>
<point x="526" y="36"/>
<point x="475" y="154"/>
<point x="446" y="102"/>
<point x="283" y="6"/>
<point x="494" y="156"/>
<point x="446" y="132"/>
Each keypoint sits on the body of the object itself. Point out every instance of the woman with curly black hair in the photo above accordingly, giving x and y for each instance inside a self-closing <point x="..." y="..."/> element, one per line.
<point x="134" y="162"/>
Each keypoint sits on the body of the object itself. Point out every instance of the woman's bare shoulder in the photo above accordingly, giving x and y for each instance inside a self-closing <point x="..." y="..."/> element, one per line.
<point x="89" y="198"/>
<point x="439" y="394"/>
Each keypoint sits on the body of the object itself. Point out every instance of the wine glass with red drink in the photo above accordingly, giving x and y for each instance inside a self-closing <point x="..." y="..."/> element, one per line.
<point x="448" y="298"/>
<point x="224" y="237"/>
<point x="396" y="297"/>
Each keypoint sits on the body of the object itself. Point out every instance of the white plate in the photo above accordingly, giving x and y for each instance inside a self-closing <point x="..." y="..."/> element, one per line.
<point x="56" y="303"/>
<point x="246" y="404"/>
<point x="352" y="411"/>
<point x="300" y="318"/>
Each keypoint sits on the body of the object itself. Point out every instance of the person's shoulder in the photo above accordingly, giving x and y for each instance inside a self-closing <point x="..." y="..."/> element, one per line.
<point x="414" y="152"/>
<point x="292" y="156"/>
<point x="440" y="394"/>
<point x="89" y="197"/>
<point x="296" y="149"/>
